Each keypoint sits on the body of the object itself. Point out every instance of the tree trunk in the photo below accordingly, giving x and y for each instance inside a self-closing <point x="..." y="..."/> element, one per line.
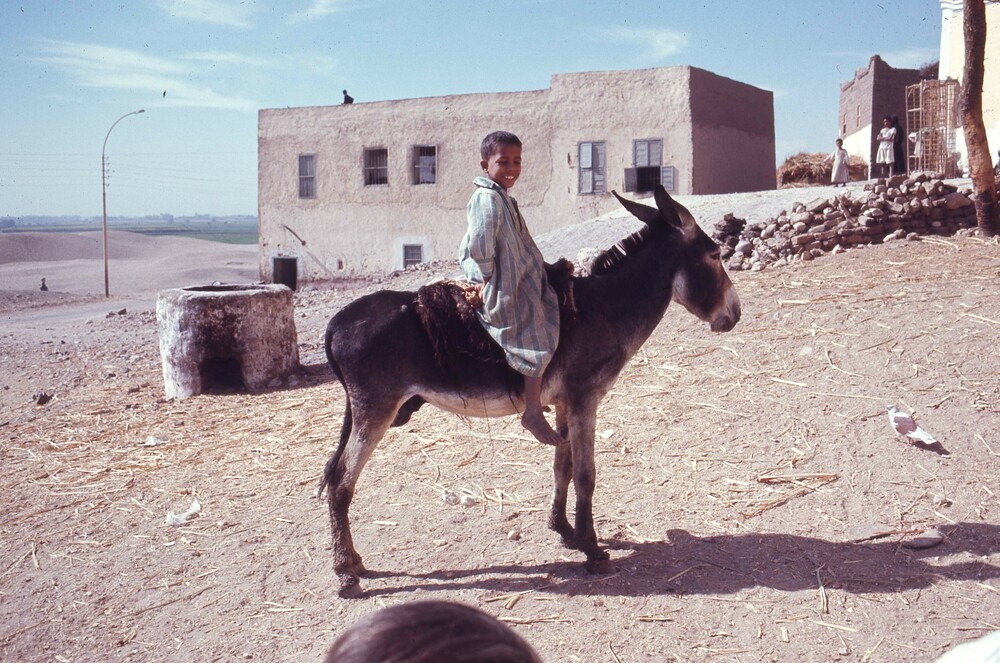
<point x="980" y="159"/>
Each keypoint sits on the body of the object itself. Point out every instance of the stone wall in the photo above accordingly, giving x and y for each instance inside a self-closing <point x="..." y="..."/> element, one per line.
<point x="897" y="208"/>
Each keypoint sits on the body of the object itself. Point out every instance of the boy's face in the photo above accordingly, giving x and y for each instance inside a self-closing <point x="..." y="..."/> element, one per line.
<point x="504" y="165"/>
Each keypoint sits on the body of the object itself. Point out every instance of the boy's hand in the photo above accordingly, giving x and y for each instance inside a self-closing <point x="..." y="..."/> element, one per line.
<point x="474" y="294"/>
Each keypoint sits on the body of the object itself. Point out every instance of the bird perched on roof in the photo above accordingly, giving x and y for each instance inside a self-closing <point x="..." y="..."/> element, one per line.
<point x="904" y="424"/>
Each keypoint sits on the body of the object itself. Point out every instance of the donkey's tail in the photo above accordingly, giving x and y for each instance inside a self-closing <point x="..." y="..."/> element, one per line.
<point x="330" y="471"/>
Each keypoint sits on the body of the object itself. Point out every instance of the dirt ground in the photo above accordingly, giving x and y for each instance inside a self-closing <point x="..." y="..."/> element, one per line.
<point x="740" y="477"/>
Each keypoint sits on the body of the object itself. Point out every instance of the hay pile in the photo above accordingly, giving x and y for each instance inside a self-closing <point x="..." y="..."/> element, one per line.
<point x="814" y="169"/>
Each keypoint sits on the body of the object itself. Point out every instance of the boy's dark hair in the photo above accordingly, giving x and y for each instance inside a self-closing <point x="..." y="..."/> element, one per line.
<point x="428" y="632"/>
<point x="495" y="140"/>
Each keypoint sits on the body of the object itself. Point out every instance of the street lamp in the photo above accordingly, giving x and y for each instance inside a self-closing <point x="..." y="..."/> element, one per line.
<point x="104" y="195"/>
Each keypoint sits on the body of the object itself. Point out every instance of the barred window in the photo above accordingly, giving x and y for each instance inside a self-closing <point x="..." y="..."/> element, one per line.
<point x="413" y="254"/>
<point x="307" y="176"/>
<point x="648" y="170"/>
<point x="424" y="164"/>
<point x="592" y="163"/>
<point x="376" y="166"/>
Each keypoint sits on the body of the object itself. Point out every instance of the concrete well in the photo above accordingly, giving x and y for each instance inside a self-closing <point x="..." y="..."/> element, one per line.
<point x="225" y="338"/>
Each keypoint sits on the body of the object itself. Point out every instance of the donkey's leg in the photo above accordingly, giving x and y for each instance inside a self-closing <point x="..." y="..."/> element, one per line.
<point x="369" y="428"/>
<point x="562" y="470"/>
<point x="582" y="423"/>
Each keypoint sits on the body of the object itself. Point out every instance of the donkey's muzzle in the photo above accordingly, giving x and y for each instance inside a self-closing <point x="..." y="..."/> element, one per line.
<point x="729" y="315"/>
<point x="724" y="323"/>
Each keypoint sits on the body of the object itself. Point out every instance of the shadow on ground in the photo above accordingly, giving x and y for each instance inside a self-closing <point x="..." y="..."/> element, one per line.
<point x="727" y="564"/>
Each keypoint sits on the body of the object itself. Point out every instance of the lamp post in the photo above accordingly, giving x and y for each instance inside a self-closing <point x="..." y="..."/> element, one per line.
<point x="104" y="196"/>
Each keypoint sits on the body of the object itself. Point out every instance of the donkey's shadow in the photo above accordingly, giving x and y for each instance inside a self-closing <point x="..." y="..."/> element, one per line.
<point x="726" y="564"/>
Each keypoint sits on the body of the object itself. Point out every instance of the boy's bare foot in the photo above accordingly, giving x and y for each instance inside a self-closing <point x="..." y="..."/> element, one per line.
<point x="535" y="423"/>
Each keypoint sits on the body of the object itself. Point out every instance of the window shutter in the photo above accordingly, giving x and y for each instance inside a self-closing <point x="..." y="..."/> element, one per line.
<point x="668" y="177"/>
<point x="631" y="180"/>
<point x="585" y="159"/>
<point x="655" y="153"/>
<point x="641" y="154"/>
<point x="600" y="186"/>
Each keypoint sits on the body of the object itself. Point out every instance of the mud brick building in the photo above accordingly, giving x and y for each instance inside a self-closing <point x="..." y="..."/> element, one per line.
<point x="372" y="187"/>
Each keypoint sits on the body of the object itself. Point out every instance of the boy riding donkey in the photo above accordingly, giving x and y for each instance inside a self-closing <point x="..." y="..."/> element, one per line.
<point x="520" y="309"/>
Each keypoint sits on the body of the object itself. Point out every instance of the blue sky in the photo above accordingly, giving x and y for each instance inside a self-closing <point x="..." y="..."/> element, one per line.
<point x="70" y="68"/>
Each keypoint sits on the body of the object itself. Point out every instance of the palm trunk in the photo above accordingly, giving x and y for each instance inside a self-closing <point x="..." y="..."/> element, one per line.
<point x="980" y="160"/>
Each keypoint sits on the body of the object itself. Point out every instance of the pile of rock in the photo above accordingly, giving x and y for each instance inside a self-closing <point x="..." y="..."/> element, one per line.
<point x="894" y="208"/>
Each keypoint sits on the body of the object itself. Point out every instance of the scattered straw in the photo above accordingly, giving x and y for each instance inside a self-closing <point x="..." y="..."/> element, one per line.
<point x="819" y="480"/>
<point x="551" y="619"/>
<point x="685" y="571"/>
<point x="658" y="618"/>
<point x="837" y="627"/>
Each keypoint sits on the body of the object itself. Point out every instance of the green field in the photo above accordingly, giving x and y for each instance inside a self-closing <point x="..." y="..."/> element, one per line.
<point x="213" y="232"/>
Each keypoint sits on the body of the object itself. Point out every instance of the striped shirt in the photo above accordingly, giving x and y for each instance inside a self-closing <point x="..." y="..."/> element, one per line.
<point x="520" y="310"/>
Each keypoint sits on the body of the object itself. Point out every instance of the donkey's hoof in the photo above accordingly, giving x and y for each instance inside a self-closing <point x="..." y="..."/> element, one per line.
<point x="600" y="567"/>
<point x="565" y="532"/>
<point x="350" y="588"/>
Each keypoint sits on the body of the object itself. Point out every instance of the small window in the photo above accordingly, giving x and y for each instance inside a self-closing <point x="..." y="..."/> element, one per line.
<point x="593" y="179"/>
<point x="307" y="176"/>
<point x="859" y="117"/>
<point x="647" y="157"/>
<point x="376" y="166"/>
<point x="413" y="254"/>
<point x="647" y="153"/>
<point x="424" y="164"/>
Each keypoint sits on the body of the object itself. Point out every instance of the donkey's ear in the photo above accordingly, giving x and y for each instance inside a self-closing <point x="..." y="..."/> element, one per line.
<point x="671" y="210"/>
<point x="645" y="213"/>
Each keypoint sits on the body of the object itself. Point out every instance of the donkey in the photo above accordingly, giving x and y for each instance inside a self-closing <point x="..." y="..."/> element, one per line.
<point x="384" y="360"/>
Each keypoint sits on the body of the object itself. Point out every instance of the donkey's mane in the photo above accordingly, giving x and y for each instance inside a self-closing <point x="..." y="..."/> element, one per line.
<point x="607" y="260"/>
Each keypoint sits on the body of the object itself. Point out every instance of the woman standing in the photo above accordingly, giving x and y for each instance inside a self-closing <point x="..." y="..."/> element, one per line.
<point x="839" y="175"/>
<point x="886" y="156"/>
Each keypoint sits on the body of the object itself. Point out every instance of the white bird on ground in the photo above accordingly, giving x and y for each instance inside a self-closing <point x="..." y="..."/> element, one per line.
<point x="904" y="424"/>
<point x="984" y="650"/>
